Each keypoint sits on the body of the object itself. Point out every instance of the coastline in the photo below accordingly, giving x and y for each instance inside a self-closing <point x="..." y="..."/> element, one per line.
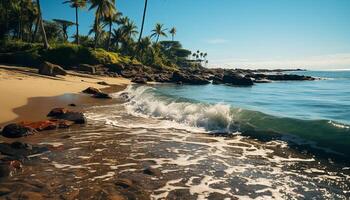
<point x="27" y="95"/>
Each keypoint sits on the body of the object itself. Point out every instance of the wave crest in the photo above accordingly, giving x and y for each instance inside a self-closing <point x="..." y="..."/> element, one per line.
<point x="216" y="117"/>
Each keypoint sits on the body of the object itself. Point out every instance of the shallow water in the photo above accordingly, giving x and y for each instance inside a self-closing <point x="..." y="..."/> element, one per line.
<point x="183" y="141"/>
<point x="87" y="162"/>
<point x="314" y="112"/>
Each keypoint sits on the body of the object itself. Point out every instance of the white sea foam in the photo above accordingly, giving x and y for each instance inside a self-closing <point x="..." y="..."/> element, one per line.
<point x="216" y="117"/>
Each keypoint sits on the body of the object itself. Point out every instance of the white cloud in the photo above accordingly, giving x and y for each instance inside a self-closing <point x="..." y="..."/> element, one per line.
<point x="217" y="41"/>
<point x="333" y="61"/>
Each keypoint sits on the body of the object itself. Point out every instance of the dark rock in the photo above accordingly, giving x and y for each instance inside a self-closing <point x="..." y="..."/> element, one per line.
<point x="87" y="68"/>
<point x="102" y="95"/>
<point x="57" y="112"/>
<point x="40" y="125"/>
<point x="139" y="80"/>
<point x="189" y="78"/>
<point x="50" y="69"/>
<point x="162" y="77"/>
<point x="5" y="170"/>
<point x="16" y="131"/>
<point x="91" y="90"/>
<point x="18" y="150"/>
<point x="102" y="83"/>
<point x="72" y="104"/>
<point x="115" y="67"/>
<point x="21" y="145"/>
<point x="76" y="117"/>
<point x="236" y="79"/>
<point x="124" y="183"/>
<point x="66" y="116"/>
<point x="152" y="171"/>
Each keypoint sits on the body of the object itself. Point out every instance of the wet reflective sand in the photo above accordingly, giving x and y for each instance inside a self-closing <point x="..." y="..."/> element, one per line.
<point x="118" y="156"/>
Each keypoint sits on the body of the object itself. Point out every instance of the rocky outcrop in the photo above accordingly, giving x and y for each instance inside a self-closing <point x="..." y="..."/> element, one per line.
<point x="16" y="130"/>
<point x="91" y="90"/>
<point x="61" y="113"/>
<point x="86" y="68"/>
<point x="236" y="79"/>
<point x="139" y="80"/>
<point x="189" y="79"/>
<point x="102" y="95"/>
<point x="47" y="124"/>
<point x="50" y="69"/>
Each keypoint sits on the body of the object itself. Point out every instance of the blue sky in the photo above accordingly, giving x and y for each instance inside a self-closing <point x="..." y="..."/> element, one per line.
<point x="244" y="33"/>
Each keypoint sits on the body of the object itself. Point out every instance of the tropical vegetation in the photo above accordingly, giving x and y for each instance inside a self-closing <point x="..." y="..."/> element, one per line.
<point x="114" y="37"/>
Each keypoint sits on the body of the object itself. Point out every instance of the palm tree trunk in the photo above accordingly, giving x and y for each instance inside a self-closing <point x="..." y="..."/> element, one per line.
<point x="35" y="29"/>
<point x="46" y="43"/>
<point x="157" y="39"/>
<point x="77" y="24"/>
<point x="109" y="35"/>
<point x="172" y="37"/>
<point x="96" y="31"/>
<point x="143" y="21"/>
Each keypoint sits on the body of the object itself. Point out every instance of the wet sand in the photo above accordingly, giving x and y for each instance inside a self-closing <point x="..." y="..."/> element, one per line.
<point x="119" y="156"/>
<point x="20" y="86"/>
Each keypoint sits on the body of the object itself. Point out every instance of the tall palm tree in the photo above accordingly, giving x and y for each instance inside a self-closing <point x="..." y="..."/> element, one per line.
<point x="129" y="29"/>
<point x="109" y="20"/>
<point x="64" y="24"/>
<point x="173" y="33"/>
<point x="158" y="31"/>
<point x="46" y="43"/>
<point x="76" y="4"/>
<point x="143" y="20"/>
<point x="104" y="9"/>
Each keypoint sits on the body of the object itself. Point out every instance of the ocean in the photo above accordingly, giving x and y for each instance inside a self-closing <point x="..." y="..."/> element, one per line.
<point x="280" y="140"/>
<point x="317" y="112"/>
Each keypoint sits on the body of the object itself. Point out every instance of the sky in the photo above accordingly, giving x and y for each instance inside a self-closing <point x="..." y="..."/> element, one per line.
<point x="310" y="34"/>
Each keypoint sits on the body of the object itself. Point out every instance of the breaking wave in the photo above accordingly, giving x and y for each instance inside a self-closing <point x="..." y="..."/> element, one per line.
<point x="146" y="101"/>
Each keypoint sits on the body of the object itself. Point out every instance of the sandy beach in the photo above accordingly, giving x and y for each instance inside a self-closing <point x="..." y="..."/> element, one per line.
<point x="20" y="86"/>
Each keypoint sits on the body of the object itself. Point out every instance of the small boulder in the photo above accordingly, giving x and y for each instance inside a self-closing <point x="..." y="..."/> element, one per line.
<point x="40" y="125"/>
<point x="57" y="111"/>
<point x="91" y="90"/>
<point x="87" y="68"/>
<point x="16" y="131"/>
<point x="139" y="80"/>
<point x="50" y="69"/>
<point x="152" y="171"/>
<point x="102" y="95"/>
<point x="76" y="117"/>
<point x="102" y="83"/>
<point x="72" y="105"/>
<point x="65" y="116"/>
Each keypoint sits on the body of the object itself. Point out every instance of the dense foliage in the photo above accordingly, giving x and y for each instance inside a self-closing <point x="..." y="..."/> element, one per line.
<point x="112" y="38"/>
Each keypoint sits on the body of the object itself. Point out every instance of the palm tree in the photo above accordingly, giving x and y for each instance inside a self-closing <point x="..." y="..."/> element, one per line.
<point x="76" y="4"/>
<point x="143" y="20"/>
<point x="158" y="31"/>
<point x="104" y="9"/>
<point x="109" y="20"/>
<point x="173" y="33"/>
<point x="46" y="43"/>
<point x="64" y="25"/>
<point x="129" y="29"/>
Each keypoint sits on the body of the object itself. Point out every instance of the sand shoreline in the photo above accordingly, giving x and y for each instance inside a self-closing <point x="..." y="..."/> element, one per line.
<point x="27" y="95"/>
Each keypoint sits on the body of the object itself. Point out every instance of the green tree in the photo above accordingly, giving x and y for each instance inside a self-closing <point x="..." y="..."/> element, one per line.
<point x="64" y="24"/>
<point x="104" y="9"/>
<point x="173" y="33"/>
<point x="76" y="4"/>
<point x="158" y="31"/>
<point x="46" y="43"/>
<point x="110" y="20"/>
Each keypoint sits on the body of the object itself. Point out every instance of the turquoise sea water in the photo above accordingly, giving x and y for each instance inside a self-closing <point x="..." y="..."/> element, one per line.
<point x="314" y="112"/>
